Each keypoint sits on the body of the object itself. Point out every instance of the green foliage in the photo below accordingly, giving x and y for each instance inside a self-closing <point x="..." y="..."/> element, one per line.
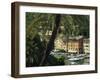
<point x="75" y="25"/>
<point x="61" y="60"/>
<point x="34" y="50"/>
<point x="60" y="50"/>
<point x="37" y="26"/>
<point x="54" y="61"/>
<point x="51" y="60"/>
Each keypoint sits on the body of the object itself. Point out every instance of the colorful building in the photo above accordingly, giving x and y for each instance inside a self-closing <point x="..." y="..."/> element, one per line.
<point x="75" y="45"/>
<point x="86" y="44"/>
<point x="60" y="44"/>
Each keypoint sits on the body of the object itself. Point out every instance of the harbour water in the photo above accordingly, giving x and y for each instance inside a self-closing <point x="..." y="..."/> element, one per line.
<point x="73" y="59"/>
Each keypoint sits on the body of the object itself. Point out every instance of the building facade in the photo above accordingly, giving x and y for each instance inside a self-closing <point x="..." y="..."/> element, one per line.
<point x="75" y="45"/>
<point x="60" y="44"/>
<point x="86" y="44"/>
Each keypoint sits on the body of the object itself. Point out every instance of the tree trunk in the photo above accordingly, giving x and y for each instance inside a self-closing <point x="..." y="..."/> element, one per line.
<point x="50" y="44"/>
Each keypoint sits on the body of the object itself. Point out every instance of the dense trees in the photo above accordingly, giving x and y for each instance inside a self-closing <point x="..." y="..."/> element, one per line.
<point x="42" y="30"/>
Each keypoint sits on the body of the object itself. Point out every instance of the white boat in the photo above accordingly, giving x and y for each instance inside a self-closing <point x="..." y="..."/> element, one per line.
<point x="76" y="58"/>
<point x="80" y="55"/>
<point x="73" y="63"/>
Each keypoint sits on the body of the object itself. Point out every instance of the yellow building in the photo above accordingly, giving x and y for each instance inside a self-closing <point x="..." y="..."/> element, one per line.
<point x="59" y="44"/>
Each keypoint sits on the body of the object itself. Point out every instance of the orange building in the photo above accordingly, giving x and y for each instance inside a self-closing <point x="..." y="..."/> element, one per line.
<point x="75" y="44"/>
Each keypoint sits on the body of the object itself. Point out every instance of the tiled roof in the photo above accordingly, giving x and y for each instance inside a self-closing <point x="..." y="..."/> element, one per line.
<point x="76" y="37"/>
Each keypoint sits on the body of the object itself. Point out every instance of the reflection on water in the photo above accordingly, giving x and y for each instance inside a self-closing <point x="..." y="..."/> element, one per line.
<point x="74" y="59"/>
<point x="77" y="59"/>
